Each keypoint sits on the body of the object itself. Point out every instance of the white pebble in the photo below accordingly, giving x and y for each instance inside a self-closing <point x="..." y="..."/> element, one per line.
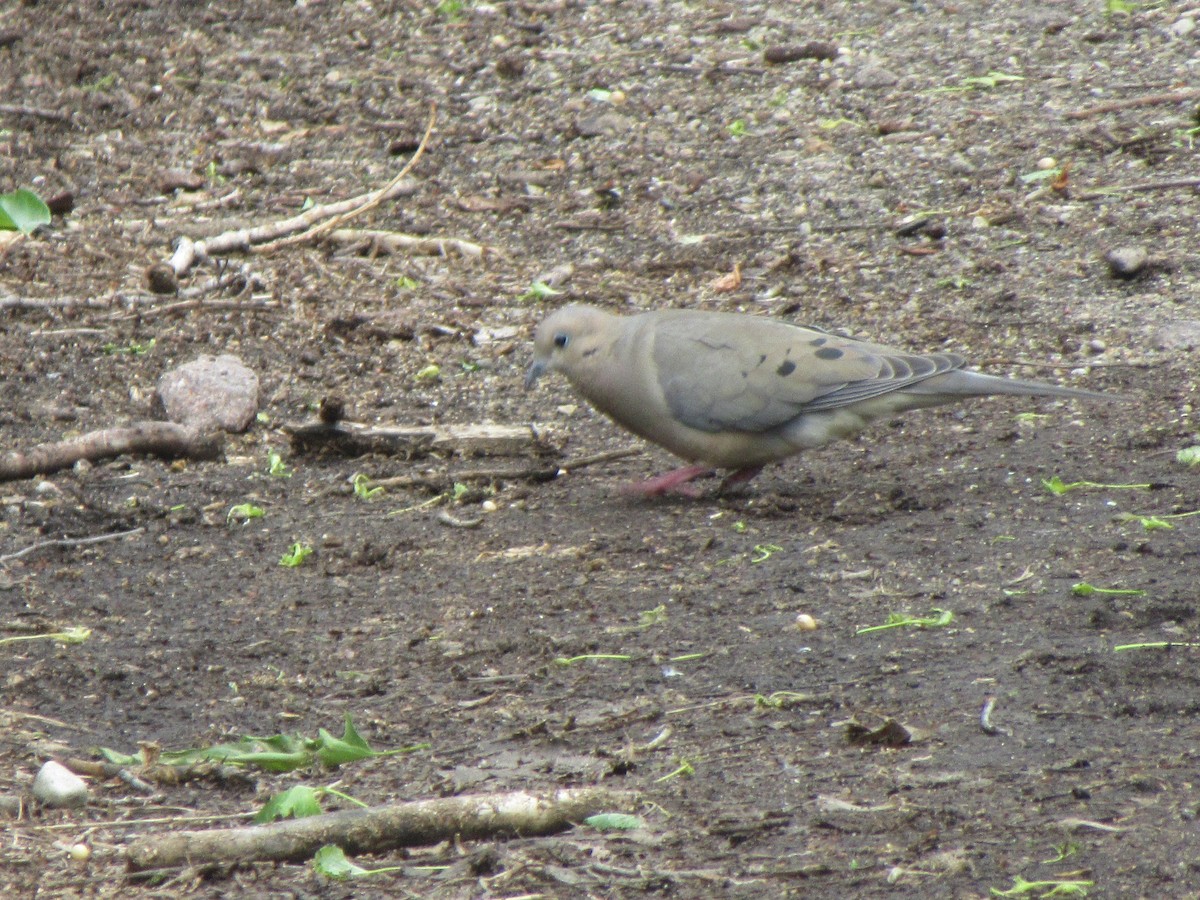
<point x="56" y="785"/>
<point x="1046" y="163"/>
<point x="805" y="622"/>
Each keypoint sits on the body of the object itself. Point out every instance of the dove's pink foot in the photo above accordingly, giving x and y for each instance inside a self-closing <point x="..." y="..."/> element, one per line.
<point x="674" y="481"/>
<point x="741" y="476"/>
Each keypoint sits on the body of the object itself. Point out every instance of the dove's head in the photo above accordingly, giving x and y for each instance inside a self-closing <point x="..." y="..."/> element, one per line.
<point x="569" y="341"/>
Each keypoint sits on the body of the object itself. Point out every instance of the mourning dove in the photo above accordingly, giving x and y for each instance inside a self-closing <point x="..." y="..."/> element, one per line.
<point x="728" y="391"/>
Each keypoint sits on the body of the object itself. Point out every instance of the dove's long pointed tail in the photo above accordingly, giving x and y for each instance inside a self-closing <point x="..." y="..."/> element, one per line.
<point x="961" y="383"/>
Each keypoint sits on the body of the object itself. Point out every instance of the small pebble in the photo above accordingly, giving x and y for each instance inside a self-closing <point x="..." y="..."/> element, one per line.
<point x="1095" y="345"/>
<point x="805" y="622"/>
<point x="56" y="785"/>
<point x="1046" y="163"/>
<point x="1183" y="27"/>
<point x="1126" y="262"/>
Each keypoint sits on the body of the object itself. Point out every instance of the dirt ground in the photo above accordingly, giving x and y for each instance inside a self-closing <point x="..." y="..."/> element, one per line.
<point x="634" y="155"/>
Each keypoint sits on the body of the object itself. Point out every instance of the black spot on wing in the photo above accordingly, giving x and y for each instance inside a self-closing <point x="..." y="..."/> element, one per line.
<point x="787" y="367"/>
<point x="829" y="353"/>
<point x="819" y="342"/>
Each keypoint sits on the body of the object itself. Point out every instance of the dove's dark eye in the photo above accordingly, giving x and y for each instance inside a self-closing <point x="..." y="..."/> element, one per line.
<point x="561" y="340"/>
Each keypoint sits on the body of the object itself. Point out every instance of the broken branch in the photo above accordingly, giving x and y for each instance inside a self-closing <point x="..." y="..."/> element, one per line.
<point x="379" y="828"/>
<point x="154" y="438"/>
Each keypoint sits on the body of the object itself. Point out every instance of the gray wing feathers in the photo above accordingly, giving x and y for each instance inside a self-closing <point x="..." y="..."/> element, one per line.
<point x="770" y="373"/>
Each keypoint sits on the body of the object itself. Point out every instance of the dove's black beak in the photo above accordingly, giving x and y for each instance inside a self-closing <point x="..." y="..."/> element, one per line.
<point x="534" y="373"/>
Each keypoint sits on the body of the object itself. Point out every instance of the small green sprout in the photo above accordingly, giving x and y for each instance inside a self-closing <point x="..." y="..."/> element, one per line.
<point x="978" y="83"/>
<point x="244" y="512"/>
<point x="450" y="9"/>
<point x="957" y="282"/>
<point x="470" y="367"/>
<point x="763" y="552"/>
<point x="459" y="491"/>
<point x="262" y="418"/>
<point x="432" y="372"/>
<point x="565" y="661"/>
<point x="276" y="467"/>
<point x="833" y="124"/>
<point x="332" y="862"/>
<point x="1029" y="418"/>
<point x="1189" y="456"/>
<point x="937" y="618"/>
<point x="1054" y="888"/>
<point x="1083" y="589"/>
<point x="749" y="43"/>
<point x="687" y="657"/>
<point x="133" y="348"/>
<point x="1150" y="523"/>
<point x="75" y="635"/>
<point x="539" y="290"/>
<point x="404" y="283"/>
<point x="684" y="768"/>
<point x="295" y="556"/>
<point x="1057" y="486"/>
<point x="1061" y="852"/>
<point x="103" y="83"/>
<point x="737" y="128"/>
<point x="740" y="527"/>
<point x="647" y="618"/>
<point x="1042" y="175"/>
<point x="363" y="489"/>
<point x="780" y="699"/>
<point x="1120" y="7"/>
<point x="1156" y="645"/>
<point x="22" y="211"/>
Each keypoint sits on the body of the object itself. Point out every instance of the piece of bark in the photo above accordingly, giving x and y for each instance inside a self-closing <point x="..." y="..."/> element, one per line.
<point x="154" y="438"/>
<point x="379" y="829"/>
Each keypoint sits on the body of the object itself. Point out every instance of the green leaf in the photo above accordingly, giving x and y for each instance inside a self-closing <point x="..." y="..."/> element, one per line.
<point x="22" y="211"/>
<point x="614" y="822"/>
<point x="331" y="862"/>
<point x="333" y="752"/>
<point x="245" y="512"/>
<point x="296" y="802"/>
<point x="295" y="556"/>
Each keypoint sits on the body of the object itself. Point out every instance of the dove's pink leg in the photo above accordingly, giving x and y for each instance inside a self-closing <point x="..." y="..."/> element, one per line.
<point x="741" y="476"/>
<point x="676" y="480"/>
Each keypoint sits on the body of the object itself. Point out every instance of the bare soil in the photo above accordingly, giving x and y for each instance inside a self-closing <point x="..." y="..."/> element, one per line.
<point x="634" y="155"/>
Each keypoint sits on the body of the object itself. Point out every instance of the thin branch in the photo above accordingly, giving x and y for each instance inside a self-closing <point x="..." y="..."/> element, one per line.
<point x="1133" y="103"/>
<point x="71" y="542"/>
<point x="264" y="238"/>
<point x="368" y="204"/>
<point x="36" y="112"/>
<point x="1140" y="187"/>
